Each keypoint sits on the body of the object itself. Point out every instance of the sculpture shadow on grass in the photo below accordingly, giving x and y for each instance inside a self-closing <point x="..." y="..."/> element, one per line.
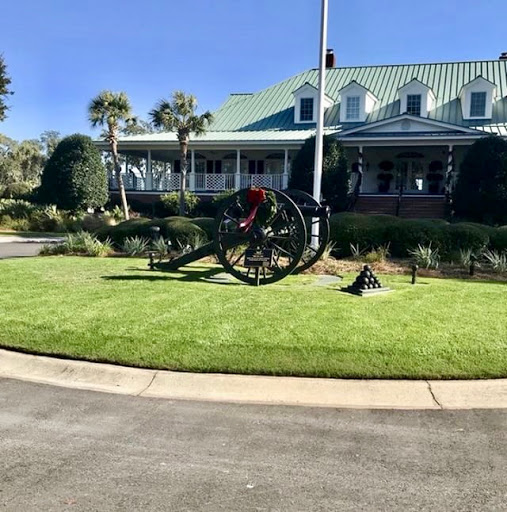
<point x="188" y="274"/>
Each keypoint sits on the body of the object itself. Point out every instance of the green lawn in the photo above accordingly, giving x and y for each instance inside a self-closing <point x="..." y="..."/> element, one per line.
<point x="116" y="310"/>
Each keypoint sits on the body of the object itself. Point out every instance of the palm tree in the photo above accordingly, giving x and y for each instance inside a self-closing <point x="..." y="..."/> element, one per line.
<point x="178" y="114"/>
<point x="112" y="110"/>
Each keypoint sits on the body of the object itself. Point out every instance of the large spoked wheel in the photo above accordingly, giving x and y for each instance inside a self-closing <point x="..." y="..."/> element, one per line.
<point x="315" y="245"/>
<point x="278" y="228"/>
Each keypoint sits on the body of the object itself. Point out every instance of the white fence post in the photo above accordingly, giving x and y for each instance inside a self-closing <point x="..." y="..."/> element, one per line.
<point x="237" y="176"/>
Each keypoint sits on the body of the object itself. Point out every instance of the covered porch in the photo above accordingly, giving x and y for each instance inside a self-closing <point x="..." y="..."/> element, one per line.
<point x="210" y="171"/>
<point x="410" y="180"/>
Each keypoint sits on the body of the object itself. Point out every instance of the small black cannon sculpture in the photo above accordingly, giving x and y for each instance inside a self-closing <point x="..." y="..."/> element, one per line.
<point x="262" y="235"/>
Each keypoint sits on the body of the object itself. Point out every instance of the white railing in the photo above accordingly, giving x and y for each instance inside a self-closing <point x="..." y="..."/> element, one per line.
<point x="262" y="180"/>
<point x="201" y="182"/>
<point x="213" y="182"/>
<point x="167" y="183"/>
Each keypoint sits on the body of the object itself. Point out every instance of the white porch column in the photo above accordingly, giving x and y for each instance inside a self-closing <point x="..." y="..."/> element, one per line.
<point x="285" y="177"/>
<point x="149" y="173"/>
<point x="191" y="176"/>
<point x="237" y="177"/>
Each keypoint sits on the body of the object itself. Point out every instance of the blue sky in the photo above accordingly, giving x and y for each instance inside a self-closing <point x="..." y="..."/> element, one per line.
<point x="61" y="53"/>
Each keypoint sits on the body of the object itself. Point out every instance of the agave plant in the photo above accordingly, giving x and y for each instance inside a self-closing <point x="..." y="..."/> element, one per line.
<point x="357" y="252"/>
<point x="161" y="248"/>
<point x="135" y="246"/>
<point x="425" y="256"/>
<point x="330" y="247"/>
<point x="496" y="260"/>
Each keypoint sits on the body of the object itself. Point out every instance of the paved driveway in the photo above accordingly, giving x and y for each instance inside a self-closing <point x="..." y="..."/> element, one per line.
<point x="63" y="449"/>
<point x="16" y="246"/>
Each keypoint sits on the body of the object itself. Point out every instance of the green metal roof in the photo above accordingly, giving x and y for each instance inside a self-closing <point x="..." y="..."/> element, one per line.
<point x="268" y="115"/>
<point x="273" y="108"/>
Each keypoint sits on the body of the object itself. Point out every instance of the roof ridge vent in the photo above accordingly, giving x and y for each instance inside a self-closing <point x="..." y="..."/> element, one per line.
<point x="503" y="56"/>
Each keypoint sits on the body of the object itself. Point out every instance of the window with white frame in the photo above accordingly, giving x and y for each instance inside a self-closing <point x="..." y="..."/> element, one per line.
<point x="414" y="104"/>
<point x="306" y="109"/>
<point x="353" y="106"/>
<point x="477" y="104"/>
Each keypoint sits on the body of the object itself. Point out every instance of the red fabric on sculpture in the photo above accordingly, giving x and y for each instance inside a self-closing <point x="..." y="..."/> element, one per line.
<point x="254" y="196"/>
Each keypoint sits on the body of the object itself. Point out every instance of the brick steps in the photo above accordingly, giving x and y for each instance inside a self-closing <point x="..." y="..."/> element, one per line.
<point x="412" y="207"/>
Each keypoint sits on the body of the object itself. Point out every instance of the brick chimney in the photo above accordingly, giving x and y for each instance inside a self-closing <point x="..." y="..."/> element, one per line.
<point x="330" y="58"/>
<point x="503" y="56"/>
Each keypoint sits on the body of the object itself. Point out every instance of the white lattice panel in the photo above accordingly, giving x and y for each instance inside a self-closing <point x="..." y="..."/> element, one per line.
<point x="215" y="182"/>
<point x="261" y="180"/>
<point x="172" y="181"/>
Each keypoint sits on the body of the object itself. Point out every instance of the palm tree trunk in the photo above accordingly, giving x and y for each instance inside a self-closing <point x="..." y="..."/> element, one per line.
<point x="121" y="186"/>
<point x="184" y="164"/>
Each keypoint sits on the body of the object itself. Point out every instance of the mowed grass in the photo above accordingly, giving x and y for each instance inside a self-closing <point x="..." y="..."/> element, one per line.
<point x="116" y="310"/>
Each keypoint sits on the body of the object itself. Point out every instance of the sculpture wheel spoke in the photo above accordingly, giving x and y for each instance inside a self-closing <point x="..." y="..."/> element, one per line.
<point x="227" y="216"/>
<point x="282" y="250"/>
<point x="238" y="258"/>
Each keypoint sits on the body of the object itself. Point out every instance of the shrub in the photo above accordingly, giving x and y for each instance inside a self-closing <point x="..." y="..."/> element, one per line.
<point x="17" y="191"/>
<point x="171" y="202"/>
<point x="481" y="190"/>
<point x="498" y="239"/>
<point x="47" y="219"/>
<point x="378" y="254"/>
<point x="17" y="208"/>
<point x="93" y="222"/>
<point x="210" y="208"/>
<point x="364" y="231"/>
<point x="74" y="177"/>
<point x="135" y="246"/>
<point x="7" y="222"/>
<point x="407" y="234"/>
<point x="206" y="224"/>
<point x="177" y="230"/>
<point x="335" y="172"/>
<point x="357" y="233"/>
<point x="465" y="236"/>
<point x="180" y="230"/>
<point x="81" y="243"/>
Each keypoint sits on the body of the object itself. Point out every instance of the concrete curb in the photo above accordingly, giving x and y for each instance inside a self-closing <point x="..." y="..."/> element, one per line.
<point x="336" y="393"/>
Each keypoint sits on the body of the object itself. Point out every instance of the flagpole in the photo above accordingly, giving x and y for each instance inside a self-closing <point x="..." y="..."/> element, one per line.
<point x="319" y="142"/>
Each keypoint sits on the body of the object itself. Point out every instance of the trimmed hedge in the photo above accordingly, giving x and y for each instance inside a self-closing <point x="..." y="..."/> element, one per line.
<point x="179" y="230"/>
<point x="499" y="239"/>
<point x="370" y="231"/>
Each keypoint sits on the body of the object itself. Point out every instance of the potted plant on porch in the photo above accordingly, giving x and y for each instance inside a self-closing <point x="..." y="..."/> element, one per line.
<point x="385" y="177"/>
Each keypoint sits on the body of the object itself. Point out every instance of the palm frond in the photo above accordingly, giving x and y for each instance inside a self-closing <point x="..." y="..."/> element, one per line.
<point x="163" y="116"/>
<point x="109" y="108"/>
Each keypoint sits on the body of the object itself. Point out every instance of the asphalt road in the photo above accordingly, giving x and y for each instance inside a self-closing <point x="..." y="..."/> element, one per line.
<point x="19" y="249"/>
<point x="63" y="449"/>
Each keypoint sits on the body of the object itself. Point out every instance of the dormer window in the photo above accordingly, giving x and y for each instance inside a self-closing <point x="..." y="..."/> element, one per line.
<point x="477" y="99"/>
<point x="305" y="103"/>
<point x="353" y="107"/>
<point x="306" y="110"/>
<point x="414" y="104"/>
<point x="356" y="102"/>
<point x="416" y="98"/>
<point x="477" y="104"/>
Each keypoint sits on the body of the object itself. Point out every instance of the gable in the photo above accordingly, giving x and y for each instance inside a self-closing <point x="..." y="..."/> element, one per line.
<point x="407" y="125"/>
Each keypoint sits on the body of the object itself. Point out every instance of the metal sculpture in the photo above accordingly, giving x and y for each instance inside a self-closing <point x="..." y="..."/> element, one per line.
<point x="262" y="235"/>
